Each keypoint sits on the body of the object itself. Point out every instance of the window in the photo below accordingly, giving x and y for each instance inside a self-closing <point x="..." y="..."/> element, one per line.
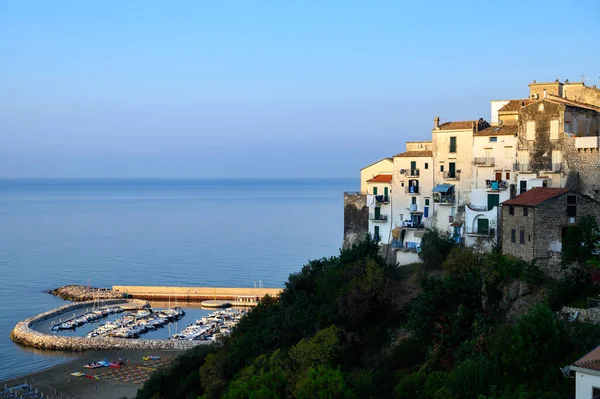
<point x="493" y="200"/>
<point x="374" y="190"/>
<point x="568" y="128"/>
<point x="531" y="130"/>
<point x="376" y="236"/>
<point x="507" y="175"/>
<point x="571" y="211"/>
<point x="413" y="165"/>
<point x="571" y="199"/>
<point x="426" y="201"/>
<point x="441" y="168"/>
<point x="522" y="237"/>
<point x="595" y="392"/>
<point x="554" y="129"/>
<point x="513" y="235"/>
<point x="452" y="144"/>
<point x="525" y="211"/>
<point x="493" y="139"/>
<point x="426" y="165"/>
<point x="452" y="170"/>
<point x="528" y="237"/>
<point x="511" y="210"/>
<point x="522" y="186"/>
<point x="483" y="226"/>
<point x="413" y="200"/>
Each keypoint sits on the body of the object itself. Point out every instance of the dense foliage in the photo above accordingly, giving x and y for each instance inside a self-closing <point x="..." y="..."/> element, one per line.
<point x="340" y="330"/>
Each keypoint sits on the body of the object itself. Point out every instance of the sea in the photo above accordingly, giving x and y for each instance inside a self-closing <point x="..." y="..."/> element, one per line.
<point x="168" y="232"/>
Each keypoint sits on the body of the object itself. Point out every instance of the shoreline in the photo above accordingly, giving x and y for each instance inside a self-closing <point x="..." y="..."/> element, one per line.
<point x="57" y="379"/>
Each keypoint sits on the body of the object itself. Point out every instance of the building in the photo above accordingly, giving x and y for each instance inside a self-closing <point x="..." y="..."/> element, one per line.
<point x="378" y="202"/>
<point x="383" y="166"/>
<point x="535" y="222"/>
<point x="411" y="199"/>
<point x="587" y="375"/>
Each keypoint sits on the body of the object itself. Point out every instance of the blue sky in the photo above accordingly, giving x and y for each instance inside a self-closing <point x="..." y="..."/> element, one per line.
<point x="261" y="88"/>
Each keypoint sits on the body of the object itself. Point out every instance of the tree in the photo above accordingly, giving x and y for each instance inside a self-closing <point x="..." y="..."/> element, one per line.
<point x="435" y="247"/>
<point x="323" y="382"/>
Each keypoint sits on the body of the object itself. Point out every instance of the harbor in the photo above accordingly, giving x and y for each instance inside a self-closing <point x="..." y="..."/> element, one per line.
<point x="232" y="296"/>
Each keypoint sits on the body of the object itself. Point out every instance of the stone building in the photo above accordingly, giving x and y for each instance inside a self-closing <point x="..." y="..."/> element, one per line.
<point x="534" y="223"/>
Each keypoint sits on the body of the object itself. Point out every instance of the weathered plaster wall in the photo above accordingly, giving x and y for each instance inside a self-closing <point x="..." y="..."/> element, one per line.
<point x="356" y="218"/>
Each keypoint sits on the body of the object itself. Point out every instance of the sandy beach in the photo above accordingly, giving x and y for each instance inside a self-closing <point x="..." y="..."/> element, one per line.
<point x="57" y="382"/>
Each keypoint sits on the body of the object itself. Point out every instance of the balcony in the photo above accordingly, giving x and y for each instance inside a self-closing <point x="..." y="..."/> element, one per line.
<point x="481" y="232"/>
<point x="413" y="208"/>
<point x="536" y="166"/>
<point x="412" y="190"/>
<point x="444" y="199"/>
<point x="378" y="218"/>
<point x="412" y="172"/>
<point x="409" y="224"/>
<point x="494" y="185"/>
<point x="382" y="199"/>
<point x="451" y="175"/>
<point x="484" y="161"/>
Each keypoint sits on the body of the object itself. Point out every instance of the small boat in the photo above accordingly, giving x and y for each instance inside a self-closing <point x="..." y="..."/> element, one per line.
<point x="77" y="374"/>
<point x="151" y="357"/>
<point x="92" y="365"/>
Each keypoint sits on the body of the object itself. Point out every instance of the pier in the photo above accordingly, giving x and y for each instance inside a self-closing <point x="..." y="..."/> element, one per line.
<point x="234" y="296"/>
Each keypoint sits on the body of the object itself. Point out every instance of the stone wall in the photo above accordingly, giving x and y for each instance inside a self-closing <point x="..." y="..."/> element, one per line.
<point x="356" y="218"/>
<point x="188" y="294"/>
<point x="518" y="223"/>
<point x="24" y="334"/>
<point x="586" y="161"/>
<point x="591" y="315"/>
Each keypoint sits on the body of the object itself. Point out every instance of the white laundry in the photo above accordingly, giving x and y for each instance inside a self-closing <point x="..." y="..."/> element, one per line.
<point x="370" y="201"/>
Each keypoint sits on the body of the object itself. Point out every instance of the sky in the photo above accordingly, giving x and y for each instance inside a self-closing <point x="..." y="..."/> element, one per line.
<point x="264" y="88"/>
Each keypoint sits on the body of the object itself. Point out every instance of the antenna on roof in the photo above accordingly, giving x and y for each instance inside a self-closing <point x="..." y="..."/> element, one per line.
<point x="583" y="78"/>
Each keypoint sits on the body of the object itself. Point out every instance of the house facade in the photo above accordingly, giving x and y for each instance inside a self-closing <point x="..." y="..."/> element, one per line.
<point x="587" y="375"/>
<point x="535" y="222"/>
<point x="379" y="204"/>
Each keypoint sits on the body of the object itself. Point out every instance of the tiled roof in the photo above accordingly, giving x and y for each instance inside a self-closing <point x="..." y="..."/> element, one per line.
<point x="502" y="130"/>
<point x="536" y="196"/>
<point x="457" y="125"/>
<point x="590" y="361"/>
<point x="572" y="103"/>
<point x="380" y="179"/>
<point x="415" y="154"/>
<point x="515" y="105"/>
<point x="384" y="159"/>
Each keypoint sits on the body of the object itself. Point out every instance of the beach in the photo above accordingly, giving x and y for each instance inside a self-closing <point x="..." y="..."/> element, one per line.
<point x="57" y="381"/>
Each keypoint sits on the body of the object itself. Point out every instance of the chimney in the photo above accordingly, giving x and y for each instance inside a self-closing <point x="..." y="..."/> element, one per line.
<point x="477" y="127"/>
<point x="545" y="94"/>
<point x="436" y="122"/>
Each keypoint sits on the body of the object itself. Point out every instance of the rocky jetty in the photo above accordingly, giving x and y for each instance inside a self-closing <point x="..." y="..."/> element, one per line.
<point x="25" y="335"/>
<point x="80" y="293"/>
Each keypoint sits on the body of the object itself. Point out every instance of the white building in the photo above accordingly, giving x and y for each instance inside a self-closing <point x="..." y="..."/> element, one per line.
<point x="587" y="375"/>
<point x="380" y="210"/>
<point x="411" y="200"/>
<point x="383" y="166"/>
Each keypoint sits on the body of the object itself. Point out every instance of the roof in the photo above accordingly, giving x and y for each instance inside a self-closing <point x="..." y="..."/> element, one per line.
<point x="414" y="154"/>
<point x="536" y="196"/>
<point x="590" y="361"/>
<point x="382" y="159"/>
<point x="501" y="130"/>
<point x="515" y="105"/>
<point x="442" y="188"/>
<point x="461" y="125"/>
<point x="380" y="179"/>
<point x="571" y="103"/>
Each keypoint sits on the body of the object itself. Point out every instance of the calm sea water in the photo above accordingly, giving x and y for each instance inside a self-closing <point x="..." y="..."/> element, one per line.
<point x="153" y="232"/>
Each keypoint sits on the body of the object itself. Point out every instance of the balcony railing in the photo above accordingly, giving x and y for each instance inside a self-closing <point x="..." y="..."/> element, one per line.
<point x="493" y="185"/>
<point x="382" y="199"/>
<point x="378" y="218"/>
<point x="409" y="224"/>
<point x="413" y="208"/>
<point x="444" y="199"/>
<point x="411" y="190"/>
<point x="451" y="175"/>
<point x="484" y="161"/>
<point x="481" y="232"/>
<point x="412" y="172"/>
<point x="545" y="166"/>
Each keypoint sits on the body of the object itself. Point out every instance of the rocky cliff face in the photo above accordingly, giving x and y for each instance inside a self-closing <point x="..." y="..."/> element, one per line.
<point x="356" y="218"/>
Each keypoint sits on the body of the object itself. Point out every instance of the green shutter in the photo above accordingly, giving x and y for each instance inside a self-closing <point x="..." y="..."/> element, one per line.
<point x="483" y="226"/>
<point x="374" y="190"/>
<point x="493" y="200"/>
<point x="385" y="192"/>
<point x="377" y="213"/>
<point x="413" y="165"/>
<point x="452" y="144"/>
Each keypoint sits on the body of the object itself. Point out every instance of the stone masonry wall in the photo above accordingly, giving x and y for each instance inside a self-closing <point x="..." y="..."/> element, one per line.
<point x="517" y="222"/>
<point x="356" y="218"/>
<point x="586" y="161"/>
<point x="24" y="334"/>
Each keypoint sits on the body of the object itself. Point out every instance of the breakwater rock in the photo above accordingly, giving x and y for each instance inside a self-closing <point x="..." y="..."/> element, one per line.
<point x="24" y="334"/>
<point x="79" y="293"/>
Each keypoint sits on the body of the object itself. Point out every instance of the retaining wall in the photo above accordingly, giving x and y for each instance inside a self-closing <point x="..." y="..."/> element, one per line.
<point x="193" y="293"/>
<point x="24" y="334"/>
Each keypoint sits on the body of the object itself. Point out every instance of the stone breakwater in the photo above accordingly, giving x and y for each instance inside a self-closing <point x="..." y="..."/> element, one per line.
<point x="24" y="334"/>
<point x="79" y="293"/>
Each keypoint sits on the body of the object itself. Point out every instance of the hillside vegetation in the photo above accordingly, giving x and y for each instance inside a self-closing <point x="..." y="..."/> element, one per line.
<point x="343" y="328"/>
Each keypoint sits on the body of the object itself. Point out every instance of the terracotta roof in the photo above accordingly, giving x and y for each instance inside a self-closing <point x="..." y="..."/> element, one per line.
<point x="380" y="179"/>
<point x="536" y="196"/>
<point x="515" y="105"/>
<point x="571" y="103"/>
<point x="457" y="125"/>
<point x="590" y="361"/>
<point x="414" y="154"/>
<point x="501" y="130"/>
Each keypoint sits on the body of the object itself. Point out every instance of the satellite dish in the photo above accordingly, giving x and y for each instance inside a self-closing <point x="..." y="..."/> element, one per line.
<point x="402" y="171"/>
